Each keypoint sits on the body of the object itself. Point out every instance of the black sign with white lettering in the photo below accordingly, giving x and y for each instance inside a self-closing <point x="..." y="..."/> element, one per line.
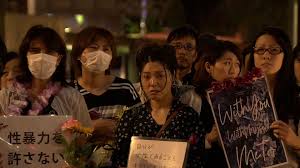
<point x="244" y="113"/>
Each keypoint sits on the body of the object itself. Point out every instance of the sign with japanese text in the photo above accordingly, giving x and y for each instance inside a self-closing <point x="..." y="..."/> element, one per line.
<point x="243" y="111"/>
<point x="31" y="141"/>
<point x="145" y="152"/>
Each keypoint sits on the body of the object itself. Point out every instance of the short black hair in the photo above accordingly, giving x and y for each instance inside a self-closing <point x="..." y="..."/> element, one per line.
<point x="205" y="43"/>
<point x="10" y="56"/>
<point x="164" y="54"/>
<point x="83" y="39"/>
<point x="181" y="32"/>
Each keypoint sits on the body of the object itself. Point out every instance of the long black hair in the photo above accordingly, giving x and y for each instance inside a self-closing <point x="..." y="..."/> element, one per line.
<point x="283" y="83"/>
<point x="295" y="113"/>
<point x="53" y="42"/>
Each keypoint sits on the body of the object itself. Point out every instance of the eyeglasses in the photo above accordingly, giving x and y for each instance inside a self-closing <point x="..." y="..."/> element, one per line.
<point x="188" y="46"/>
<point x="273" y="50"/>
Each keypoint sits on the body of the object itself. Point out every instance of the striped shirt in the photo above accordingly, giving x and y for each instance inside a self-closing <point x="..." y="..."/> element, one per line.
<point x="119" y="96"/>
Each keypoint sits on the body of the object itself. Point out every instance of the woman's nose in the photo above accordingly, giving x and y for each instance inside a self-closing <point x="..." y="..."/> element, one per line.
<point x="267" y="55"/>
<point x="9" y="76"/>
<point x="153" y="81"/>
<point x="233" y="71"/>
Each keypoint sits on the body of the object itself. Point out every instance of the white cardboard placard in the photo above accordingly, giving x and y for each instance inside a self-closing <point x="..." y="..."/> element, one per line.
<point x="150" y="152"/>
<point x="31" y="141"/>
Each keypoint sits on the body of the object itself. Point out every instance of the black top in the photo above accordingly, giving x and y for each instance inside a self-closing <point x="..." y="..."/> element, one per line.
<point x="139" y="122"/>
<point x="215" y="155"/>
<point x="188" y="78"/>
<point x="296" y="115"/>
<point x="119" y="95"/>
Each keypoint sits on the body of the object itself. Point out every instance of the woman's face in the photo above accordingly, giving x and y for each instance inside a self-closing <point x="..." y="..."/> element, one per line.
<point x="156" y="81"/>
<point x="226" y="67"/>
<point x="11" y="70"/>
<point x="268" y="54"/>
<point x="42" y="62"/>
<point x="297" y="69"/>
<point x="100" y="44"/>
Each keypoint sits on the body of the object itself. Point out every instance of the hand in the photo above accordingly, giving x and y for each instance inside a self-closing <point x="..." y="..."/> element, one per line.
<point x="105" y="128"/>
<point x="213" y="135"/>
<point x="283" y="131"/>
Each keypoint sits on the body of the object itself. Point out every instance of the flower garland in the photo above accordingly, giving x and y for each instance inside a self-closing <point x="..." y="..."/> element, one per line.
<point x="20" y="96"/>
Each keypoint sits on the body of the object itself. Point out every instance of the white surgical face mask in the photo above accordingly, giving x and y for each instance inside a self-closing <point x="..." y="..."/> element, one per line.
<point x="42" y="66"/>
<point x="96" y="61"/>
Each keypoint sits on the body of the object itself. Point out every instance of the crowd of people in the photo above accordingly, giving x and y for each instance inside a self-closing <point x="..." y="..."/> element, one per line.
<point x="168" y="102"/>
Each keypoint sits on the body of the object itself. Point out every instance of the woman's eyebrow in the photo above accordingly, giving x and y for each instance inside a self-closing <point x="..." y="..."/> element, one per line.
<point x="227" y="59"/>
<point x="34" y="48"/>
<point x="154" y="72"/>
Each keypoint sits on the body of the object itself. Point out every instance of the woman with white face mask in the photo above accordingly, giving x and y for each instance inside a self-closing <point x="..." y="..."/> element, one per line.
<point x="40" y="88"/>
<point x="106" y="95"/>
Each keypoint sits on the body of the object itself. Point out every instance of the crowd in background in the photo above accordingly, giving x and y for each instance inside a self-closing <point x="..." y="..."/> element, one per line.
<point x="168" y="102"/>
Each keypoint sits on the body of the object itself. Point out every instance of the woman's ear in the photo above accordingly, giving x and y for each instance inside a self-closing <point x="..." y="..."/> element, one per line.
<point x="208" y="67"/>
<point x="58" y="60"/>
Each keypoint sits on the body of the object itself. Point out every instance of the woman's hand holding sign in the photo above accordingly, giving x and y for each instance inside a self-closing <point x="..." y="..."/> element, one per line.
<point x="213" y="135"/>
<point x="283" y="131"/>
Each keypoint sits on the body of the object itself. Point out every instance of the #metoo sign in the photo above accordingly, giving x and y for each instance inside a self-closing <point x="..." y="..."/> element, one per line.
<point x="243" y="111"/>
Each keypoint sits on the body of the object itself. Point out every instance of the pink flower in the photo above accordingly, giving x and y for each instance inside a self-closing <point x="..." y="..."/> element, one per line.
<point x="70" y="124"/>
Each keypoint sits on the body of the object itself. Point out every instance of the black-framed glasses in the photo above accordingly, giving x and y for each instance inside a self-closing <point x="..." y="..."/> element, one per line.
<point x="188" y="46"/>
<point x="272" y="50"/>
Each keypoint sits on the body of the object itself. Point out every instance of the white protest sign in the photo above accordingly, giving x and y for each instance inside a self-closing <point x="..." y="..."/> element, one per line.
<point x="32" y="141"/>
<point x="151" y="153"/>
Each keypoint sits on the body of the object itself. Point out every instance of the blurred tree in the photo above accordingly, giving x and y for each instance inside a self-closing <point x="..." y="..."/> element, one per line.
<point x="227" y="17"/>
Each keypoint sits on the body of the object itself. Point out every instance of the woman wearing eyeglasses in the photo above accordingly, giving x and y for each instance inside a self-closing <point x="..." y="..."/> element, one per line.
<point x="289" y="132"/>
<point x="272" y="53"/>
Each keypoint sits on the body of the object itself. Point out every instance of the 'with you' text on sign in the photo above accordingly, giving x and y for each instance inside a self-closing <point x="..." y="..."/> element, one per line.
<point x="32" y="141"/>
<point x="243" y="111"/>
